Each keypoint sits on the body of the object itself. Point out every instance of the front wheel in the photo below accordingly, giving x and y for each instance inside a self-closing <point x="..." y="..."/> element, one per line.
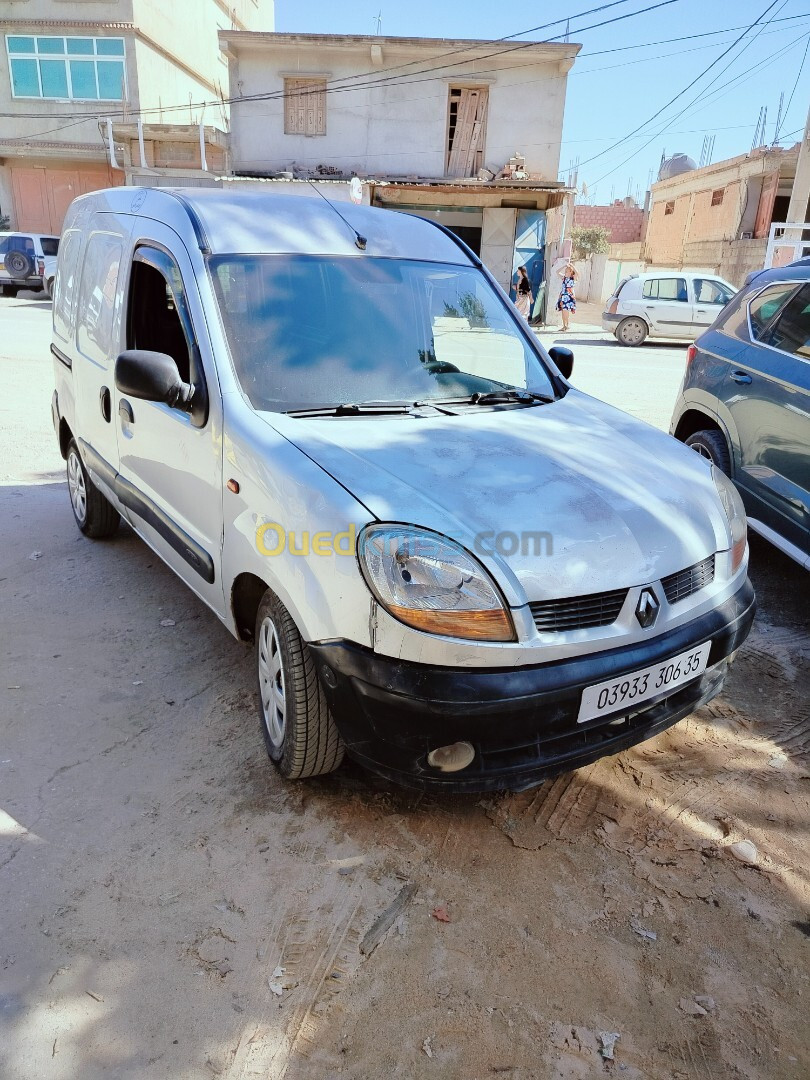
<point x="711" y="444"/>
<point x="301" y="737"/>
<point x="631" y="331"/>
<point x="95" y="515"/>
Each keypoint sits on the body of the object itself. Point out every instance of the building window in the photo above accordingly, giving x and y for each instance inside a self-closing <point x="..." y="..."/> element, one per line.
<point x="74" y="68"/>
<point x="717" y="196"/>
<point x="305" y="106"/>
<point x="669" y="208"/>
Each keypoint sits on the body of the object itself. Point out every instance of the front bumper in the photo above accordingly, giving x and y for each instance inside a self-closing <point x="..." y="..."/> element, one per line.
<point x="522" y="721"/>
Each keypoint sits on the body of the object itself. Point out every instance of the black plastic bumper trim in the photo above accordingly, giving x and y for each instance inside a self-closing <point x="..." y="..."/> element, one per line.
<point x="521" y="721"/>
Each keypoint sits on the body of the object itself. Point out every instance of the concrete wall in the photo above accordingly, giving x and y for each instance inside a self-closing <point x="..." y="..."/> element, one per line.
<point x="625" y="224"/>
<point x="397" y="129"/>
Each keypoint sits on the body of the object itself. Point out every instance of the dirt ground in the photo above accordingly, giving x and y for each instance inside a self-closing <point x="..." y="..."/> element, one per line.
<point x="172" y="910"/>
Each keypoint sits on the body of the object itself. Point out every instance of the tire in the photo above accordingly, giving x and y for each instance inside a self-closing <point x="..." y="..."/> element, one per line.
<point x="631" y="331"/>
<point x="47" y="289"/>
<point x="95" y="515"/>
<point x="18" y="264"/>
<point x="301" y="737"/>
<point x="10" y="291"/>
<point x="712" y="444"/>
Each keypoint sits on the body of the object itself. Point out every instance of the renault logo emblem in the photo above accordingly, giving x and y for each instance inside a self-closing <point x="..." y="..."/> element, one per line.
<point x="647" y="608"/>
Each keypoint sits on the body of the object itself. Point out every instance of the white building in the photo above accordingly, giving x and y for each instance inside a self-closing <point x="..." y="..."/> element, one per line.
<point x="68" y="65"/>
<point x="465" y="132"/>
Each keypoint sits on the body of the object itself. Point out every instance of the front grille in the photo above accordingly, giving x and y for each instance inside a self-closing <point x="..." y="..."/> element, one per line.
<point x="685" y="582"/>
<point x="578" y="612"/>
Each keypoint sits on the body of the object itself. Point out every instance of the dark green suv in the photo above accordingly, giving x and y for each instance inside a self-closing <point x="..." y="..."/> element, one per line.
<point x="745" y="403"/>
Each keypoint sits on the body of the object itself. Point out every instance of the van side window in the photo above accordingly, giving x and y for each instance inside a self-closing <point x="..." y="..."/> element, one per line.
<point x="154" y="323"/>
<point x="68" y="273"/>
<point x="96" y="312"/>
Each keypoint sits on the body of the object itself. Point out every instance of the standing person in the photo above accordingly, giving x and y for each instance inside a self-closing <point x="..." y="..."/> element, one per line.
<point x="567" y="303"/>
<point x="523" y="293"/>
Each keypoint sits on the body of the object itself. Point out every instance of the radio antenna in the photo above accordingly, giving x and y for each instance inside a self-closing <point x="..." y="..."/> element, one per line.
<point x="359" y="240"/>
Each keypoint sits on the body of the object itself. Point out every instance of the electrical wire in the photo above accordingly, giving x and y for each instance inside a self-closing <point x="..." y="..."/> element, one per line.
<point x="793" y="91"/>
<point x="406" y="79"/>
<point x="681" y="93"/>
<point x="720" y="90"/>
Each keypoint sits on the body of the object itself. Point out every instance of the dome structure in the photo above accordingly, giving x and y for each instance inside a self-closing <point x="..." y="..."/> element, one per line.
<point x="675" y="165"/>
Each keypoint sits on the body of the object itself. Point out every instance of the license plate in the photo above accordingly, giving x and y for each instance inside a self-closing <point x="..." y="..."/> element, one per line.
<point x="627" y="692"/>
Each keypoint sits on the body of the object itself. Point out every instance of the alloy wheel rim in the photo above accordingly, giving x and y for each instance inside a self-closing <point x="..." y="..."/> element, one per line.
<point x="76" y="487"/>
<point x="271" y="682"/>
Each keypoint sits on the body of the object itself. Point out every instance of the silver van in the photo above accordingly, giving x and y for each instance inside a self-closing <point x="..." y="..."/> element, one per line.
<point x="331" y="424"/>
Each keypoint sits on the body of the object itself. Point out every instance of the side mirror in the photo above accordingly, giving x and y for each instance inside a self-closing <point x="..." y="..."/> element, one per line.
<point x="152" y="376"/>
<point x="563" y="358"/>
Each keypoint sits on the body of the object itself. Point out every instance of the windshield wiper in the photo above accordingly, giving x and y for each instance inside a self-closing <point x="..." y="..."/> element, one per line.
<point x="362" y="408"/>
<point x="496" y="397"/>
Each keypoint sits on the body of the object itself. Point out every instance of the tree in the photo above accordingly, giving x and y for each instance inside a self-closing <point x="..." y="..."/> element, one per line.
<point x="590" y="240"/>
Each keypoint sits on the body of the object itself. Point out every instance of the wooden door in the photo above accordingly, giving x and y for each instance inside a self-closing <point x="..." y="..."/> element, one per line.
<point x="466" y="136"/>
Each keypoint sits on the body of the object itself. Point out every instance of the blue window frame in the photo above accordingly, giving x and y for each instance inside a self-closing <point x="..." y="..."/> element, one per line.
<point x="73" y="68"/>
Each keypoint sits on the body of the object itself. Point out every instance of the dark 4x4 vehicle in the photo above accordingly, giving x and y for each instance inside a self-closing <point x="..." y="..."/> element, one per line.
<point x="745" y="403"/>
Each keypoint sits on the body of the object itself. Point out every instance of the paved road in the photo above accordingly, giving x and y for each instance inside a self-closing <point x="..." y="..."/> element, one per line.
<point x="155" y="873"/>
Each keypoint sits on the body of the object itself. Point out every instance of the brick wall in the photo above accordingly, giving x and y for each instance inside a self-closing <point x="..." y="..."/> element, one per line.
<point x="624" y="223"/>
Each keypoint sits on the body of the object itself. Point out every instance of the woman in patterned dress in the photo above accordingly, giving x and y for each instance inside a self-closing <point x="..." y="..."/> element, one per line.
<point x="567" y="303"/>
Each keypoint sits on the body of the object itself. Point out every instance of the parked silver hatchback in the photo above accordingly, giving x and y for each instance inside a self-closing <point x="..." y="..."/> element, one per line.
<point x="331" y="424"/>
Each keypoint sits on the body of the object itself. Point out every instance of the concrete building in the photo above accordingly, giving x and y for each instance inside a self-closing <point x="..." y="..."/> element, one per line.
<point x="624" y="220"/>
<point x="67" y="66"/>
<point x="718" y="218"/>
<point x="465" y="132"/>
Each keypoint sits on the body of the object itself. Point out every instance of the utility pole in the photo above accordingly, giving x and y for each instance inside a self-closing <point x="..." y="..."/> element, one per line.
<point x="800" y="196"/>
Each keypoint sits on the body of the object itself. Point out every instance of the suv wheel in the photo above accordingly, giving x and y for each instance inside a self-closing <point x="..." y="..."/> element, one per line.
<point x="301" y="737"/>
<point x="10" y="291"/>
<point x="95" y="515"/>
<point x="48" y="289"/>
<point x="711" y="444"/>
<point x="631" y="331"/>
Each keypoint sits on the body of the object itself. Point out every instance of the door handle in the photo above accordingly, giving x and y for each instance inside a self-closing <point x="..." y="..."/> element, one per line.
<point x="740" y="377"/>
<point x="125" y="411"/>
<point x="104" y="402"/>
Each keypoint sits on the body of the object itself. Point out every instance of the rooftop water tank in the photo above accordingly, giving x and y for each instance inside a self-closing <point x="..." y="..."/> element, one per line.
<point x="675" y="165"/>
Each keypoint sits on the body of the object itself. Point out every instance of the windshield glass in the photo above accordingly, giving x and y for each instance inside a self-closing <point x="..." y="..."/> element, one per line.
<point x="326" y="330"/>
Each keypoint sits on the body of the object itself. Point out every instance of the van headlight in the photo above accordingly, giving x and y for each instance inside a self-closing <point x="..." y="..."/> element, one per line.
<point x="735" y="513"/>
<point x="431" y="583"/>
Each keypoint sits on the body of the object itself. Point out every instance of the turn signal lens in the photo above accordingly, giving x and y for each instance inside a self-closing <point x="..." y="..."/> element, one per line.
<point x="477" y="625"/>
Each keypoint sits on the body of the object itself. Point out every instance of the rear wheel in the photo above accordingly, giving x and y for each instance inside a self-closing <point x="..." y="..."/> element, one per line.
<point x="301" y="737"/>
<point x="94" y="514"/>
<point x="10" y="291"/>
<point x="48" y="288"/>
<point x="631" y="331"/>
<point x="711" y="444"/>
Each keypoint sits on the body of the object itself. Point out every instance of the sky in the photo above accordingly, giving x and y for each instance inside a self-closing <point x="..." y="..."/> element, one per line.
<point x="612" y="93"/>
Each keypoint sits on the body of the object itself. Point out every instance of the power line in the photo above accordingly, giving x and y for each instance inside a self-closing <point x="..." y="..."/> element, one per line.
<point x="406" y="79"/>
<point x="792" y="92"/>
<point x="680" y="93"/>
<point x="725" y="87"/>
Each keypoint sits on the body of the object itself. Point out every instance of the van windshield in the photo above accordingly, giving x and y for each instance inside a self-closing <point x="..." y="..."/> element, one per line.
<point x="308" y="331"/>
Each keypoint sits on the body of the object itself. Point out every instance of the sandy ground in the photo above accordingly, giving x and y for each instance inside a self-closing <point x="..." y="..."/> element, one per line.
<point x="172" y="909"/>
